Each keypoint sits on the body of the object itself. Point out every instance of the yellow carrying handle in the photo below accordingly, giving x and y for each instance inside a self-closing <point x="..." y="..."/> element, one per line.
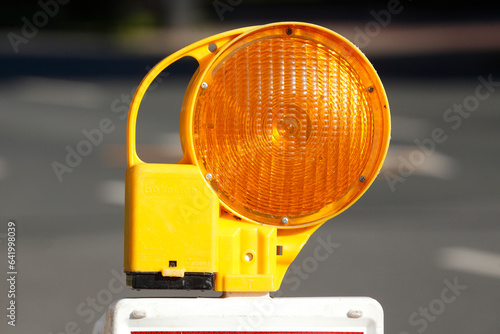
<point x="198" y="51"/>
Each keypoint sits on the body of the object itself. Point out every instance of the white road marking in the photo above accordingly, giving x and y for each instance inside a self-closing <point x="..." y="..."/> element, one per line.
<point x="58" y="92"/>
<point x="469" y="260"/>
<point x="434" y="164"/>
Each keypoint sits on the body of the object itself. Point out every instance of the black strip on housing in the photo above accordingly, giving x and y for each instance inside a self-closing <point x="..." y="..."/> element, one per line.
<point x="190" y="281"/>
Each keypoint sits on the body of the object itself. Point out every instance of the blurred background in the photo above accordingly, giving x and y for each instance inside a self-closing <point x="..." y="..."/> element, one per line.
<point x="424" y="239"/>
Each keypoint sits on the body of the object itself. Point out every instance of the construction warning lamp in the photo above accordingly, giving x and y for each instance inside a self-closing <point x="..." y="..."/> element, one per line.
<point x="283" y="126"/>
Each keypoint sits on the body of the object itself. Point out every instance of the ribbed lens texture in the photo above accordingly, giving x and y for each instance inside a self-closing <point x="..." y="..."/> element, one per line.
<point x="284" y="127"/>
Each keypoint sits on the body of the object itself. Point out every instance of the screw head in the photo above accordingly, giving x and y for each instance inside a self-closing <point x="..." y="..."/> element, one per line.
<point x="362" y="178"/>
<point x="284" y="220"/>
<point x="204" y="85"/>
<point x="354" y="314"/>
<point x="208" y="176"/>
<point x="371" y="89"/>
<point x="138" y="314"/>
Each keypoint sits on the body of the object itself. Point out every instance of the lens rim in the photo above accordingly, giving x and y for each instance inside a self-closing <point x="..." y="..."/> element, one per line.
<point x="369" y="79"/>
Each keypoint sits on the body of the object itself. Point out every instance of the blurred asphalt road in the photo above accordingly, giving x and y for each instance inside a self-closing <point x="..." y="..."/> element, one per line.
<point x="403" y="243"/>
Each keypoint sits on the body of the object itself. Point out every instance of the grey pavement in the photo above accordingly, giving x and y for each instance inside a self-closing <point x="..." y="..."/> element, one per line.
<point x="439" y="227"/>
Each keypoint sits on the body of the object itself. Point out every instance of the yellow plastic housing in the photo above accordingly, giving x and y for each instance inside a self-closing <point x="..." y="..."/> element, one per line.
<point x="283" y="126"/>
<point x="166" y="204"/>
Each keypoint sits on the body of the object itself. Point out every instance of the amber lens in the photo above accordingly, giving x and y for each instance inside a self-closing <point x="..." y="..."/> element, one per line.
<point x="283" y="126"/>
